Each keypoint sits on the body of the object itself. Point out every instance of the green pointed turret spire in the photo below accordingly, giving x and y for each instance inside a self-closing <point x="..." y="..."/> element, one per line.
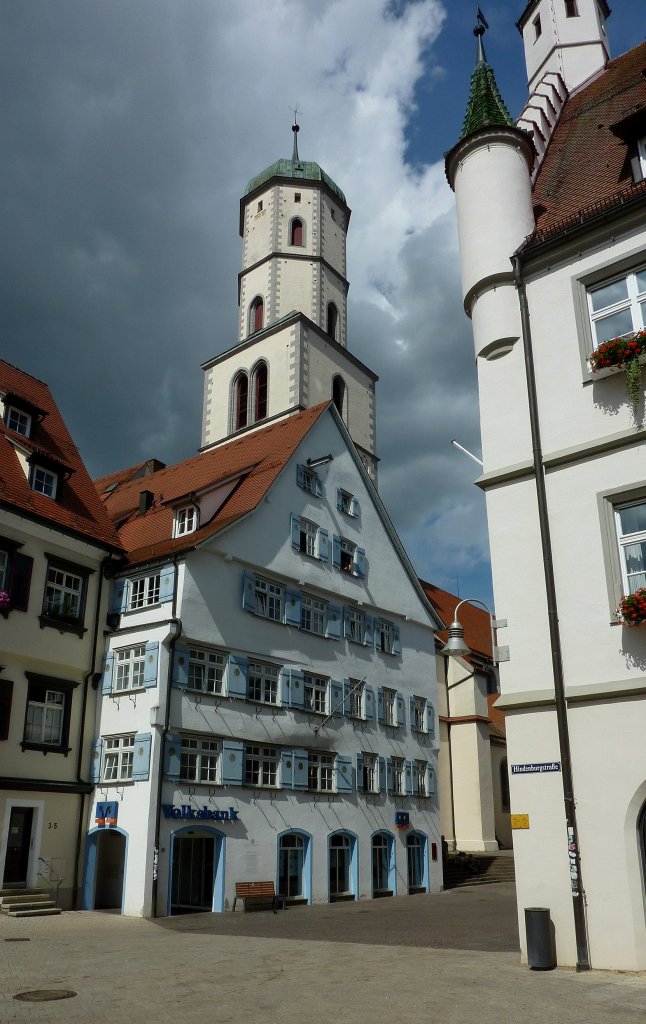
<point x="486" y="107"/>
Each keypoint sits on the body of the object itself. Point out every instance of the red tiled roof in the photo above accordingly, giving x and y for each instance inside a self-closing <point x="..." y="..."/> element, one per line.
<point x="112" y="480"/>
<point x="256" y="459"/>
<point x="587" y="167"/>
<point x="77" y="506"/>
<point x="477" y="630"/>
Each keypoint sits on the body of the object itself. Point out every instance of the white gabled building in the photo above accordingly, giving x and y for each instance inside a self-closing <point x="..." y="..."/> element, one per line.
<point x="268" y="705"/>
<point x="551" y="216"/>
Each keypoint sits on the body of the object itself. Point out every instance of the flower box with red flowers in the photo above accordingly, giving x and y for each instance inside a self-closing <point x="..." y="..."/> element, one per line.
<point x="632" y="608"/>
<point x="625" y="353"/>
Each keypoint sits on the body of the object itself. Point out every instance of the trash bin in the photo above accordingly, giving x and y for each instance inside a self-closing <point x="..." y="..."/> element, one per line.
<point x="541" y="955"/>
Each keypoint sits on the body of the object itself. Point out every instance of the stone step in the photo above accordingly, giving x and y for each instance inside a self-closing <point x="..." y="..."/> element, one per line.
<point x="11" y="908"/>
<point x="24" y="897"/>
<point x="42" y="912"/>
<point x="16" y="891"/>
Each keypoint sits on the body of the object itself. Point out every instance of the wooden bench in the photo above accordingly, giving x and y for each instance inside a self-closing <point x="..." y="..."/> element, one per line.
<point x="261" y="891"/>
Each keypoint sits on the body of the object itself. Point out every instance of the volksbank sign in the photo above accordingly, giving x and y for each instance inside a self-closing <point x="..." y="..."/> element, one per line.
<point x="199" y="814"/>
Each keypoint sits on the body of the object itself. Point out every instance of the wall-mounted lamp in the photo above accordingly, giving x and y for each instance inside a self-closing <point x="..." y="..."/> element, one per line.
<point x="313" y="463"/>
<point x="457" y="647"/>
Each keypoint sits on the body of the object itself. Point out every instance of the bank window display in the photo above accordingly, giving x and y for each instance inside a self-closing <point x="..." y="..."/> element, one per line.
<point x="118" y="758"/>
<point x="200" y="760"/>
<point x="130" y="665"/>
<point x="320" y="772"/>
<point x="206" y="670"/>
<point x="261" y="766"/>
<point x="263" y="683"/>
<point x="315" y="693"/>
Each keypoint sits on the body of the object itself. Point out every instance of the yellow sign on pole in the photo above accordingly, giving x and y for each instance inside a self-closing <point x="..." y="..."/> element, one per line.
<point x="519" y="820"/>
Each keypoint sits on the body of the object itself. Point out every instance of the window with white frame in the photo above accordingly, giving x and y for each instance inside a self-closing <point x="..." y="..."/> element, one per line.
<point x="370" y="773"/>
<point x="308" y="532"/>
<point x="315" y="691"/>
<point x="130" y="665"/>
<point x="355" y="625"/>
<point x="206" y="670"/>
<point x="269" y="599"/>
<point x="64" y="597"/>
<point x="348" y="554"/>
<point x="390" y="706"/>
<point x="45" y="713"/>
<point x="309" y="480"/>
<point x="631" y="536"/>
<point x="117" y="758"/>
<point x="261" y="766"/>
<point x="617" y="306"/>
<point x="144" y="592"/>
<point x="419" y="777"/>
<point x="320" y="772"/>
<point x="18" y="420"/>
<point x="356" y="697"/>
<point x="313" y="614"/>
<point x="43" y="481"/>
<point x="384" y="636"/>
<point x="186" y="520"/>
<point x="200" y="760"/>
<point x="418" y="714"/>
<point x="398" y="779"/>
<point x="344" y="501"/>
<point x="263" y="683"/>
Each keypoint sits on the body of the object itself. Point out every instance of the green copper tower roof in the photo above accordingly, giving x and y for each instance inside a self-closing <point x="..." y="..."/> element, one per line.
<point x="485" y="108"/>
<point x="307" y="170"/>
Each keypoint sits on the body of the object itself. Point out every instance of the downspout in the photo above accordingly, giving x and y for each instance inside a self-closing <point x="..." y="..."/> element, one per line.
<point x="160" y="773"/>
<point x="578" y="892"/>
<point x="79" y="757"/>
<point x="448" y="735"/>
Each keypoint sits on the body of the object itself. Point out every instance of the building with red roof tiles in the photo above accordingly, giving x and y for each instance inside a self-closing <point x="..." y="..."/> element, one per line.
<point x="56" y="541"/>
<point x="552" y="223"/>
<point x="474" y="791"/>
<point x="268" y="705"/>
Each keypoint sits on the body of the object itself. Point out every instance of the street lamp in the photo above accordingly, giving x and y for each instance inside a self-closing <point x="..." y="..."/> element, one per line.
<point x="457" y="647"/>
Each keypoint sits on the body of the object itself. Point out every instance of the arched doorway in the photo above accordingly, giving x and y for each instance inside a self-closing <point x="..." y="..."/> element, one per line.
<point x="343" y="880"/>
<point x="294" y="867"/>
<point x="383" y="865"/>
<point x="416" y="863"/>
<point x="196" y="871"/>
<point x="105" y="869"/>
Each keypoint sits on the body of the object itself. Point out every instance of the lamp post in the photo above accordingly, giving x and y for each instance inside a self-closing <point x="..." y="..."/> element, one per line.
<point x="457" y="647"/>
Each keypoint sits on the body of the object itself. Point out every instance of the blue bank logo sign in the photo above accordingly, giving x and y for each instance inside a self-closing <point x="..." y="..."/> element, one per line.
<point x="536" y="769"/>
<point x="188" y="813"/>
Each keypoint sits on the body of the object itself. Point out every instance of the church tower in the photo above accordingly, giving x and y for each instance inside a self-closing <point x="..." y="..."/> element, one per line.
<point x="292" y="350"/>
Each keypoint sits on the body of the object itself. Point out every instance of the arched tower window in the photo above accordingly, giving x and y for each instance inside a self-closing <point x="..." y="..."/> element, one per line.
<point x="240" y="401"/>
<point x="338" y="394"/>
<point x="332" y="320"/>
<point x="296" y="232"/>
<point x="256" y="314"/>
<point x="260" y="376"/>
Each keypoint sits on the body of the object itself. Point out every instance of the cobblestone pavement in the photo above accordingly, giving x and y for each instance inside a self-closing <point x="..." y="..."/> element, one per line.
<point x="343" y="963"/>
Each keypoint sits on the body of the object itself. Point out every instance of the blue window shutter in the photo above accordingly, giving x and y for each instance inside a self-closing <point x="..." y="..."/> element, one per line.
<point x="411" y="713"/>
<point x="390" y="781"/>
<point x="300" y="777"/>
<point x="151" y="663"/>
<point x="408" y="776"/>
<point x="381" y="763"/>
<point x="369" y="702"/>
<point x="120" y="596"/>
<point x="108" y="673"/>
<point x="339" y="499"/>
<point x="232" y="751"/>
<point x="318" y="488"/>
<point x="172" y="755"/>
<point x="237" y="673"/>
<point x="346" y="622"/>
<point x="95" y="760"/>
<point x="397" y="647"/>
<point x="359" y="771"/>
<point x="300" y="476"/>
<point x="344" y="782"/>
<point x="323" y="545"/>
<point x="401" y="710"/>
<point x="292" y="607"/>
<point x="297" y="689"/>
<point x="141" y="757"/>
<point x="355" y="509"/>
<point x="336" y="698"/>
<point x="360" y="562"/>
<point x="287" y="769"/>
<point x="284" y="687"/>
<point x="295" y="522"/>
<point x="369" y="630"/>
<point x="430" y="717"/>
<point x="180" y="666"/>
<point x="166" y="577"/>
<point x="333" y="622"/>
<point x="249" y="592"/>
<point x="430" y="780"/>
<point x="346" y="701"/>
<point x="336" y="551"/>
<point x="380" y="704"/>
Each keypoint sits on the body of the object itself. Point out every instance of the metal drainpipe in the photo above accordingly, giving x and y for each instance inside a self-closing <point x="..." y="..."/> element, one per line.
<point x="79" y="756"/>
<point x="448" y="734"/>
<point x="160" y="774"/>
<point x="578" y="892"/>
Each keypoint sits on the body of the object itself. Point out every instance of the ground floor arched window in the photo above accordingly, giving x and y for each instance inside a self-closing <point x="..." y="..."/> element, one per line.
<point x="416" y="862"/>
<point x="341" y="856"/>
<point x="291" y="865"/>
<point x="382" y="864"/>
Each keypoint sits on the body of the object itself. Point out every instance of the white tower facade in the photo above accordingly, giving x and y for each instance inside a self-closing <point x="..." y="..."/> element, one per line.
<point x="564" y="37"/>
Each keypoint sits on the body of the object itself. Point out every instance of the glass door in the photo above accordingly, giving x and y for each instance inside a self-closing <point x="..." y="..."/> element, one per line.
<point x="290" y="866"/>
<point x="192" y="874"/>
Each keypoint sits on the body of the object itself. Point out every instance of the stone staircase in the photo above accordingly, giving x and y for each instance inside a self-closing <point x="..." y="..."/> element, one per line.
<point x="491" y="868"/>
<point x="27" y="903"/>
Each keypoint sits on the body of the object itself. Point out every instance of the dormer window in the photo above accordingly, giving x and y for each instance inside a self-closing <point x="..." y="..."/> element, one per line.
<point x="186" y="520"/>
<point x="43" y="481"/>
<point x="18" y="421"/>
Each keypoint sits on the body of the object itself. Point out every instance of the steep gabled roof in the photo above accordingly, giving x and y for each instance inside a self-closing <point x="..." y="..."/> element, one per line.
<point x="587" y="170"/>
<point x="245" y="468"/>
<point x="477" y="630"/>
<point x="77" y="508"/>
